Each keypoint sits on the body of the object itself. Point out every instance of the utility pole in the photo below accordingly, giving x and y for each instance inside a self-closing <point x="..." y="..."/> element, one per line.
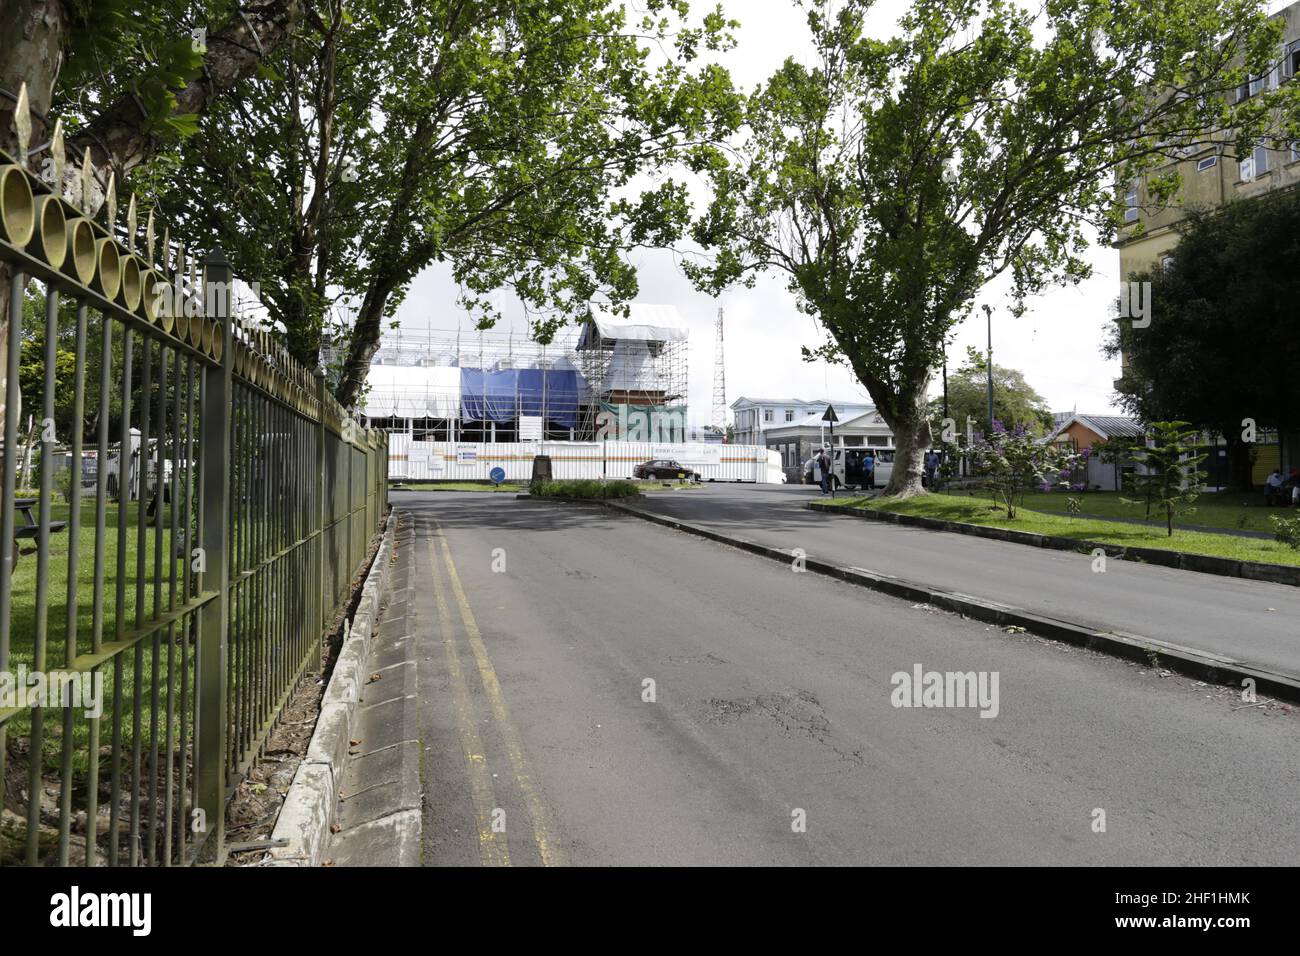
<point x="945" y="380"/>
<point x="988" y="315"/>
<point x="831" y="418"/>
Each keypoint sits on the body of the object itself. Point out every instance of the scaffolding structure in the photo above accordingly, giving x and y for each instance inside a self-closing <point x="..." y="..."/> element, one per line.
<point x="444" y="385"/>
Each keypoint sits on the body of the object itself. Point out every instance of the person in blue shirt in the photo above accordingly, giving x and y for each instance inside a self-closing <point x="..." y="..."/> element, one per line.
<point x="868" y="470"/>
<point x="931" y="467"/>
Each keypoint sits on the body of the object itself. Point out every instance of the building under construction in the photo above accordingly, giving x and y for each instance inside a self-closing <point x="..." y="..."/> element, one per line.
<point x="503" y="387"/>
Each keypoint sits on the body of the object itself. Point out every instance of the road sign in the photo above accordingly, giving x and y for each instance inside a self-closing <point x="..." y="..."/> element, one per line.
<point x="830" y="415"/>
<point x="497" y="475"/>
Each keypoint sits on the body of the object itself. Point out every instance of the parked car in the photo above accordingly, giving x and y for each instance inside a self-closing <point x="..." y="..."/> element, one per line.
<point x="664" y="468"/>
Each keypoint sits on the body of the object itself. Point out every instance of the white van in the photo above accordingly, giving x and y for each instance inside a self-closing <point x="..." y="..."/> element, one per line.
<point x="847" y="470"/>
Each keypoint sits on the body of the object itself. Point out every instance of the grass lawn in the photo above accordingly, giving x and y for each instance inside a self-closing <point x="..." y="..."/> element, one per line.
<point x="24" y="616"/>
<point x="980" y="511"/>
<point x="1241" y="511"/>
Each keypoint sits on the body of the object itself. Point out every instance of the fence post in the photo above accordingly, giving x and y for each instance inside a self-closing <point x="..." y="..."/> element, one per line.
<point x="322" y="607"/>
<point x="210" y="652"/>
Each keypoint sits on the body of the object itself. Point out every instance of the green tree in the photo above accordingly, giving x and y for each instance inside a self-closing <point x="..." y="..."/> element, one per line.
<point x="127" y="76"/>
<point x="1014" y="401"/>
<point x="1169" y="476"/>
<point x="503" y="139"/>
<point x="1011" y="461"/>
<point x="892" y="179"/>
<point x="1220" y="350"/>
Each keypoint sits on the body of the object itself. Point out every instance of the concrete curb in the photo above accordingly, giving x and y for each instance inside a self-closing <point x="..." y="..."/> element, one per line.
<point x="309" y="807"/>
<point x="1206" y="564"/>
<point x="580" y="501"/>
<point x="1203" y="665"/>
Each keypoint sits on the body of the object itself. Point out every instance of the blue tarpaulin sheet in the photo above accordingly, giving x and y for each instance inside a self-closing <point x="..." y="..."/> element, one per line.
<point x="501" y="396"/>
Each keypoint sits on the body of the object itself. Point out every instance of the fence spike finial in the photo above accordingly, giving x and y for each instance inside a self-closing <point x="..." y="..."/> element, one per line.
<point x="23" y="124"/>
<point x="110" y="200"/>
<point x="130" y="224"/>
<point x="148" y="239"/>
<point x="87" y="183"/>
<point x="164" y="254"/>
<point x="58" y="158"/>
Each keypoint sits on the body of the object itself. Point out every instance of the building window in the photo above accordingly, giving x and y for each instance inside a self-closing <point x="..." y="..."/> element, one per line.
<point x="789" y="414"/>
<point x="1291" y="59"/>
<point x="1295" y="150"/>
<point x="1209" y="162"/>
<point x="1131" y="203"/>
<point x="767" y="414"/>
<point x="1254" y="165"/>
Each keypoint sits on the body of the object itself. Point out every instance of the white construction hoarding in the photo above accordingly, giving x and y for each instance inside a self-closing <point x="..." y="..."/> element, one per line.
<point x="473" y="461"/>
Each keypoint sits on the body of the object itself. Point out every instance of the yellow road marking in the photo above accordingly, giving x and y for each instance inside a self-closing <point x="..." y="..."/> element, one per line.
<point x="542" y="832"/>
<point x="492" y="846"/>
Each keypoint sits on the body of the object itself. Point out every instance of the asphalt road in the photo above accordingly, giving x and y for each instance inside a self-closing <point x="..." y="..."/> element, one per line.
<point x="539" y="625"/>
<point x="1252" y="621"/>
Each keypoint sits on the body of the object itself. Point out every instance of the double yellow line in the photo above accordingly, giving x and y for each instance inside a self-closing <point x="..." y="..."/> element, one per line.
<point x="492" y="844"/>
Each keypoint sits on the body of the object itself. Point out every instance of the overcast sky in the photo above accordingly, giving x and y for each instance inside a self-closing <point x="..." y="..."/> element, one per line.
<point x="1056" y="343"/>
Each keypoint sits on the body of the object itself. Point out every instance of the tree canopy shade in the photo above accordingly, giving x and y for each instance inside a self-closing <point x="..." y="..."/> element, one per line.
<point x="891" y="179"/>
<point x="1221" y="346"/>
<point x="1015" y="403"/>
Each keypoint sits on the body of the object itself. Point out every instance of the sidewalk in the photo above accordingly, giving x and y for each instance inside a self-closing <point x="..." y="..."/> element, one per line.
<point x="377" y="820"/>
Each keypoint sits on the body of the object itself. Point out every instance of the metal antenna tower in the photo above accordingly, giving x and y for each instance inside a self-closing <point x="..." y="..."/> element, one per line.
<point x="719" y="381"/>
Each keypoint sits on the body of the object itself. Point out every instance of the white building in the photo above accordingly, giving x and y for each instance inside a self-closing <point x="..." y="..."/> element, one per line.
<point x="755" y="416"/>
<point x="797" y="441"/>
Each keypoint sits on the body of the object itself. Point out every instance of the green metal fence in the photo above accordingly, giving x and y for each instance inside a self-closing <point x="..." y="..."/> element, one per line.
<point x="232" y="503"/>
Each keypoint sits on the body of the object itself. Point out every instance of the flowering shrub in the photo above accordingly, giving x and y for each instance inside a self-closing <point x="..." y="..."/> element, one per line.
<point x="1013" y="461"/>
<point x="1286" y="530"/>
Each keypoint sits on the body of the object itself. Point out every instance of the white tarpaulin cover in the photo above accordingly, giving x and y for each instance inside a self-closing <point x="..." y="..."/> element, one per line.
<point x="645" y="323"/>
<point x="413" y="391"/>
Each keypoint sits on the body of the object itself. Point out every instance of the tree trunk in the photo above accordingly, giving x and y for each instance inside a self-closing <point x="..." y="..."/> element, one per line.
<point x="118" y="136"/>
<point x="364" y="343"/>
<point x="1239" y="463"/>
<point x="910" y="424"/>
